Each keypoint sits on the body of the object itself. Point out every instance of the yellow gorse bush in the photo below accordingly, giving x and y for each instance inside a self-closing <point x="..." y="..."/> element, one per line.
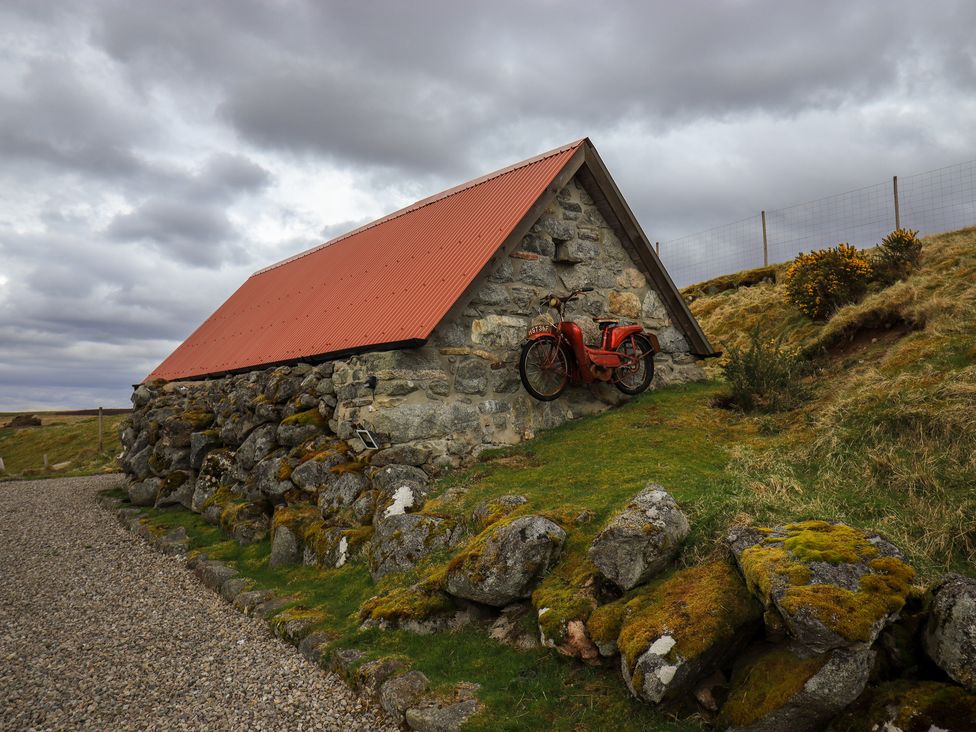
<point x="825" y="279"/>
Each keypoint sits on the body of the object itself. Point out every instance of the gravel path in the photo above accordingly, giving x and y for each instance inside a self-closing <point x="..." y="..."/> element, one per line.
<point x="99" y="632"/>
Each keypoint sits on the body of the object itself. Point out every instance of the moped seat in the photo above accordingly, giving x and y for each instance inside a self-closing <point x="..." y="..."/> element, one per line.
<point x="605" y="322"/>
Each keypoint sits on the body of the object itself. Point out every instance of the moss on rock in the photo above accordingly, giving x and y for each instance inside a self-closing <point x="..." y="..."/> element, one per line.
<point x="701" y="608"/>
<point x="766" y="684"/>
<point x="831" y="584"/>
<point x="565" y="594"/>
<point x="308" y="417"/>
<point x="911" y="706"/>
<point x="406" y="603"/>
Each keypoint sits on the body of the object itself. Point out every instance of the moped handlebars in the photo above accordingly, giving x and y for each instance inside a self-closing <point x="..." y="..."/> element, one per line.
<point x="555" y="300"/>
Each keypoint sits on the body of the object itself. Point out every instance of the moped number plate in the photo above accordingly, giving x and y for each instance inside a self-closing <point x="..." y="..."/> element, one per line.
<point x="536" y="329"/>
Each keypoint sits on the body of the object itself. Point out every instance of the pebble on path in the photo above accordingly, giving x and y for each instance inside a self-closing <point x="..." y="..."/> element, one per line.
<point x="100" y="632"/>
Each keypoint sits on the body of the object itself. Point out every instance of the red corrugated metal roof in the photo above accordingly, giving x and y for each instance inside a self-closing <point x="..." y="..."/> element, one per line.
<point x="388" y="282"/>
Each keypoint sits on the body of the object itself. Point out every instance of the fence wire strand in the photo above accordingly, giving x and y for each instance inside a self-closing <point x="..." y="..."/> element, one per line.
<point x="931" y="202"/>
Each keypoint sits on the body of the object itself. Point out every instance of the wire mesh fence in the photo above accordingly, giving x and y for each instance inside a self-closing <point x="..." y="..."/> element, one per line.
<point x="932" y="202"/>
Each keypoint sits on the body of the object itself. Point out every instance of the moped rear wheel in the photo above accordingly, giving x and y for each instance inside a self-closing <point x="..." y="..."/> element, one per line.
<point x="634" y="378"/>
<point x="544" y="369"/>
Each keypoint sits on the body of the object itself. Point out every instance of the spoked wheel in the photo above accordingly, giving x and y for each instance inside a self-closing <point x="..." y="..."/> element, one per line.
<point x="635" y="377"/>
<point x="544" y="369"/>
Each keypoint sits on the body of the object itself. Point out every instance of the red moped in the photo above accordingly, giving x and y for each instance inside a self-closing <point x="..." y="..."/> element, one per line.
<point x="554" y="354"/>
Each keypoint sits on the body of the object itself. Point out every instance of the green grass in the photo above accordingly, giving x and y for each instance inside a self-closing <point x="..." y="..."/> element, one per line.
<point x="672" y="437"/>
<point x="62" y="438"/>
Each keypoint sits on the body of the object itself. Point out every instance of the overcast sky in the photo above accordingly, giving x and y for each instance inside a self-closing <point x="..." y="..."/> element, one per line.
<point x="154" y="154"/>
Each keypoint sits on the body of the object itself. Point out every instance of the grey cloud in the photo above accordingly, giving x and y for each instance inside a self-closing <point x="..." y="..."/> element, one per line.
<point x="61" y="119"/>
<point x="188" y="115"/>
<point x="194" y="234"/>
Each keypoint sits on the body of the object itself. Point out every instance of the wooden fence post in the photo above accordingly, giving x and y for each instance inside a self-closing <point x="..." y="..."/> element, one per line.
<point x="894" y="190"/>
<point x="765" y="242"/>
<point x="101" y="441"/>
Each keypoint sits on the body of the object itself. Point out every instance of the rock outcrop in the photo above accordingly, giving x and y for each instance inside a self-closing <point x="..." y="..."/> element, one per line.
<point x="788" y="688"/>
<point x="950" y="634"/>
<point x="828" y="585"/>
<point x="640" y="542"/>
<point x="504" y="562"/>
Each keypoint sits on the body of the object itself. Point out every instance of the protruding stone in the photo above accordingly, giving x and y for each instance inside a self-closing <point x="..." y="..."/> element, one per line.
<point x="286" y="549"/>
<point x="790" y="689"/>
<point x="830" y="585"/>
<point x="950" y="634"/>
<point x="504" y="562"/>
<point x="640" y="542"/>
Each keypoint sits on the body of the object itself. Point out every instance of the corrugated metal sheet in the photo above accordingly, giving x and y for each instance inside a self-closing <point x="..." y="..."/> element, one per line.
<point x="387" y="282"/>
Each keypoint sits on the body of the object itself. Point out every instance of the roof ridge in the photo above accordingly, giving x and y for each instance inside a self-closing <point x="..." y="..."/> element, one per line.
<point x="423" y="202"/>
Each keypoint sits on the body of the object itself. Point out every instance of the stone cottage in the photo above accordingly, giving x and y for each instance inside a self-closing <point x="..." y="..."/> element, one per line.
<point x="404" y="332"/>
<point x="419" y="315"/>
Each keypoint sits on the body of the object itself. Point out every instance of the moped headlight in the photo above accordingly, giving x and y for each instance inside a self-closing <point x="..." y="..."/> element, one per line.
<point x="554" y="303"/>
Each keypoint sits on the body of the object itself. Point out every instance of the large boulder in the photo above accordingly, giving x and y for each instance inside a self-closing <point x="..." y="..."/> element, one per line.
<point x="402" y="540"/>
<point x="790" y="689"/>
<point x="950" y="633"/>
<point x="829" y="585"/>
<point x="912" y="706"/>
<point x="639" y="542"/>
<point x="673" y="632"/>
<point x="505" y="561"/>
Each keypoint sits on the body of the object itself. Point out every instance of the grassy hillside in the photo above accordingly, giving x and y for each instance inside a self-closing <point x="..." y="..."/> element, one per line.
<point x="888" y="437"/>
<point x="886" y="441"/>
<point x="63" y="438"/>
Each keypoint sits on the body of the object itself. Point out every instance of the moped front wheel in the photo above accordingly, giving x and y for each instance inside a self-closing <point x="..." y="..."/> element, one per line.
<point x="638" y="371"/>
<point x="544" y="369"/>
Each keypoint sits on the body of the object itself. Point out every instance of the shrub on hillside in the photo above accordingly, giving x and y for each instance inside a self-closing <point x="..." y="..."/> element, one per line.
<point x="825" y="279"/>
<point x="763" y="377"/>
<point x="896" y="256"/>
